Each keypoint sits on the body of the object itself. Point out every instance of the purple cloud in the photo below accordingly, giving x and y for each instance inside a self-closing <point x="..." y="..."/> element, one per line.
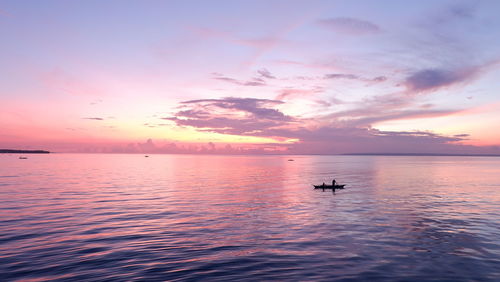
<point x="227" y="79"/>
<point x="457" y="11"/>
<point x="335" y="140"/>
<point x="241" y="116"/>
<point x="93" y="118"/>
<point x="377" y="109"/>
<point x="432" y="79"/>
<point x="349" y="26"/>
<point x="340" y="76"/>
<point x="265" y="73"/>
<point x="342" y="132"/>
<point x="397" y="115"/>
<point x="253" y="82"/>
<point x="257" y="107"/>
<point x="353" y="77"/>
<point x="379" y="79"/>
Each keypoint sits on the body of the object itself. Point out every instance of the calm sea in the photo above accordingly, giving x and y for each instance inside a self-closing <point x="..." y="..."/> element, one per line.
<point x="70" y="217"/>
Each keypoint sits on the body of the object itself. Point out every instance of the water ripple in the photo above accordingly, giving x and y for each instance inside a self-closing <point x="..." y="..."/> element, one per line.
<point x="123" y="217"/>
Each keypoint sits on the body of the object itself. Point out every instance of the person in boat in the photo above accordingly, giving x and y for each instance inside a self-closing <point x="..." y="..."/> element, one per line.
<point x="324" y="184"/>
<point x="334" y="182"/>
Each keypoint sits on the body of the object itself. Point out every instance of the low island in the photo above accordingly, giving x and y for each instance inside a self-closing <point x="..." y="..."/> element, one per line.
<point x="9" y="151"/>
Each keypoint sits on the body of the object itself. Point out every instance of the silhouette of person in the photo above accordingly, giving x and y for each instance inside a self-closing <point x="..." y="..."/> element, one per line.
<point x="333" y="182"/>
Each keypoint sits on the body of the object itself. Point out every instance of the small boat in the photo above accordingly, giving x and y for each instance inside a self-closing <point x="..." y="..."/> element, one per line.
<point x="290" y="160"/>
<point x="23" y="158"/>
<point x="146" y="156"/>
<point x="324" y="186"/>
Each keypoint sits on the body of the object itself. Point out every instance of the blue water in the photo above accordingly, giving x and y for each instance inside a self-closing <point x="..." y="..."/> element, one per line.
<point x="68" y="217"/>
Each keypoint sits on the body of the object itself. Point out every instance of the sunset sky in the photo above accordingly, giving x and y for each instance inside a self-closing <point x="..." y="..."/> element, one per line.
<point x="301" y="77"/>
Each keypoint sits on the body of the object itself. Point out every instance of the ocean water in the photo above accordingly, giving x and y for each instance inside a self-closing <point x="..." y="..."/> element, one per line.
<point x="77" y="217"/>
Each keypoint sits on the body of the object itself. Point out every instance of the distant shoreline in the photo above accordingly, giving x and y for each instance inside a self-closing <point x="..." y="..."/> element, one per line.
<point x="421" y="154"/>
<point x="9" y="151"/>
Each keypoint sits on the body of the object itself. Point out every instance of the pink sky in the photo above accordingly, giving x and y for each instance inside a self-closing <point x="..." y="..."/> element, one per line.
<point x="311" y="77"/>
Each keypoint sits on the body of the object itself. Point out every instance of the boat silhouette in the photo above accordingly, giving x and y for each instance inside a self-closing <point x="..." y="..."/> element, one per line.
<point x="324" y="186"/>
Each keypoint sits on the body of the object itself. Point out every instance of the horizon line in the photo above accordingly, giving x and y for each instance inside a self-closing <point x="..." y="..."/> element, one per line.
<point x="39" y="151"/>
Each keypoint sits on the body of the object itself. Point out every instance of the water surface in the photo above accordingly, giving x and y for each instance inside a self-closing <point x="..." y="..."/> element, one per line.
<point x="216" y="218"/>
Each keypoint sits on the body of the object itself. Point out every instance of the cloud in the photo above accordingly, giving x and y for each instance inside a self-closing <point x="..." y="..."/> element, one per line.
<point x="263" y="42"/>
<point x="341" y="132"/>
<point x="95" y="102"/>
<point x="240" y="116"/>
<point x="93" y="118"/>
<point x="462" y="10"/>
<point x="257" y="107"/>
<point x="335" y="140"/>
<point x="380" y="108"/>
<point x="353" y="77"/>
<point x="456" y="12"/>
<point x="151" y="146"/>
<point x="341" y="76"/>
<point x="258" y="117"/>
<point x="64" y="83"/>
<point x="435" y="78"/>
<point x="327" y="104"/>
<point x="253" y="82"/>
<point x="398" y="115"/>
<point x="449" y="33"/>
<point x="288" y="93"/>
<point x="265" y="73"/>
<point x="379" y="79"/>
<point x="258" y="45"/>
<point x="349" y="26"/>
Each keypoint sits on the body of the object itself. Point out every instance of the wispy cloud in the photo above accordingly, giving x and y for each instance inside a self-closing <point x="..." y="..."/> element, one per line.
<point x="456" y="11"/>
<point x="371" y="111"/>
<point x="288" y="93"/>
<point x="62" y="82"/>
<point x="354" y="77"/>
<point x="95" y="102"/>
<point x="93" y="118"/>
<point x="349" y="25"/>
<point x="266" y="74"/>
<point x="259" y="44"/>
<point x="334" y="140"/>
<point x="369" y="120"/>
<point x="340" y="76"/>
<point x="252" y="82"/>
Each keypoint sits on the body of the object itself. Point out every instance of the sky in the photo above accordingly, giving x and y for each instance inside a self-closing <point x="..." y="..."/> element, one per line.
<point x="291" y="77"/>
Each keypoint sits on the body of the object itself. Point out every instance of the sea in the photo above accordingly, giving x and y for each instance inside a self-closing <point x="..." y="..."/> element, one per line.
<point x="127" y="217"/>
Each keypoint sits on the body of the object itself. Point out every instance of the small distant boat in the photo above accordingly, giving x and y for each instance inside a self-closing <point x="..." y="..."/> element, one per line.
<point x="324" y="186"/>
<point x="146" y="156"/>
<point x="291" y="160"/>
<point x="23" y="158"/>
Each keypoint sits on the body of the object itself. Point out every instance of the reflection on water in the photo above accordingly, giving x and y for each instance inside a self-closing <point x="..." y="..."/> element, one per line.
<point x="123" y="217"/>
